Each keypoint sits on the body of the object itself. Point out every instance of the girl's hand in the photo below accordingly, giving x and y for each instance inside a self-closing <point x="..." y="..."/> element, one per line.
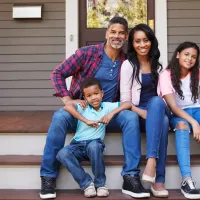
<point x="196" y="131"/>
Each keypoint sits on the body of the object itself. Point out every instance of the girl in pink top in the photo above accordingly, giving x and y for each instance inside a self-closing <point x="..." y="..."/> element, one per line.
<point x="138" y="84"/>
<point x="179" y="86"/>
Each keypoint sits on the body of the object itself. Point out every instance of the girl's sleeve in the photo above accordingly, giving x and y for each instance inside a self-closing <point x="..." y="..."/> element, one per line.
<point x="164" y="84"/>
<point x="126" y="81"/>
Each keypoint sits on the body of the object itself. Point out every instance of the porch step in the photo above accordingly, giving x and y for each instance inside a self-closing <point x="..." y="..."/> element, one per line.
<point x="33" y="144"/>
<point x="110" y="160"/>
<point x="23" y="172"/>
<point x="76" y="195"/>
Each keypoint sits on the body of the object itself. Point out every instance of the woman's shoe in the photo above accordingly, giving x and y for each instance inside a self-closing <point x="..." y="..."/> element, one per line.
<point x="161" y="193"/>
<point x="147" y="178"/>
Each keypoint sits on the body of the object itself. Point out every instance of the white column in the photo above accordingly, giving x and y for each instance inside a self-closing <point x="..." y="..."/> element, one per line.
<point x="71" y="29"/>
<point x="161" y="29"/>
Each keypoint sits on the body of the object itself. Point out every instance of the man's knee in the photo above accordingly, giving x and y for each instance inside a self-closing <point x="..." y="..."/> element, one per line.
<point x="64" y="153"/>
<point x="182" y="125"/>
<point x="60" y="115"/>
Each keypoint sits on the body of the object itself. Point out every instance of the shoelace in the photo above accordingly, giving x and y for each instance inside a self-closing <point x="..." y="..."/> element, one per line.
<point x="48" y="183"/>
<point x="191" y="184"/>
<point x="135" y="181"/>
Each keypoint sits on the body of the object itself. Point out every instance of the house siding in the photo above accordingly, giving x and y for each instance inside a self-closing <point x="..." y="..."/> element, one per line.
<point x="29" y="51"/>
<point x="183" y="23"/>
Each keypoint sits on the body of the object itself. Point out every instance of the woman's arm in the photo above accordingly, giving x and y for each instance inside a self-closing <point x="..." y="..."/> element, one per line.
<point x="170" y="100"/>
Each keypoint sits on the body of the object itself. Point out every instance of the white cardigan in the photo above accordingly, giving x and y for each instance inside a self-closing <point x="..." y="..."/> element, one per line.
<point x="130" y="89"/>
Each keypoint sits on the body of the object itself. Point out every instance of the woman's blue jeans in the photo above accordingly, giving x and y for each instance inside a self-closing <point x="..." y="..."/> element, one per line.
<point x="156" y="127"/>
<point x="78" y="151"/>
<point x="182" y="140"/>
<point x="62" y="122"/>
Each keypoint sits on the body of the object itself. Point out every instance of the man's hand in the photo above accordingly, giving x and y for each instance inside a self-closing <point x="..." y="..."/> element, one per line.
<point x="67" y="100"/>
<point x="93" y="124"/>
<point x="106" y="119"/>
<point x="196" y="131"/>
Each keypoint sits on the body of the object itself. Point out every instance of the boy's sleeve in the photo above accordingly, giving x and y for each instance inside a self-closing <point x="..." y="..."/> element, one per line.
<point x="111" y="106"/>
<point x="165" y="84"/>
<point x="79" y="108"/>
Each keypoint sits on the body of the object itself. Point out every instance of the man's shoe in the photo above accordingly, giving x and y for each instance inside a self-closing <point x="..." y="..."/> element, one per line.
<point x="189" y="190"/>
<point x="48" y="185"/>
<point x="133" y="187"/>
<point x="90" y="191"/>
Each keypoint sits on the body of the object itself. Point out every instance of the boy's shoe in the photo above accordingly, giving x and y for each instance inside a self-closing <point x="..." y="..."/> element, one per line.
<point x="133" y="187"/>
<point x="48" y="185"/>
<point x="189" y="190"/>
<point x="90" y="191"/>
<point x="102" y="191"/>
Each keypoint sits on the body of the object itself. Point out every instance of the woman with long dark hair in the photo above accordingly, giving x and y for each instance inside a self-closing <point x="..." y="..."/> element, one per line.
<point x="179" y="86"/>
<point x="138" y="84"/>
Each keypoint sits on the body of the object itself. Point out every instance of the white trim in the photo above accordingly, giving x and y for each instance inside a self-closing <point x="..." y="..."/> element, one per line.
<point x="71" y="29"/>
<point x="71" y="26"/>
<point x="161" y="29"/>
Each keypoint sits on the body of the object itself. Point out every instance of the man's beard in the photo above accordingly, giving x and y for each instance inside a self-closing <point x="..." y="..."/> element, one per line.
<point x="116" y="46"/>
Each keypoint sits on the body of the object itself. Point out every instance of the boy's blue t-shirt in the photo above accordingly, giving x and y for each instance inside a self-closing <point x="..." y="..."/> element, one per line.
<point x="85" y="132"/>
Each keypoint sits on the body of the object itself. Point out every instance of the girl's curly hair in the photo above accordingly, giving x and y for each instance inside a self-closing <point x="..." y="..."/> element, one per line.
<point x="174" y="68"/>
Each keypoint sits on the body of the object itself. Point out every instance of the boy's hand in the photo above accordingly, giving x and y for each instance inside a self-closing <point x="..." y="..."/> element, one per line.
<point x="106" y="119"/>
<point x="93" y="124"/>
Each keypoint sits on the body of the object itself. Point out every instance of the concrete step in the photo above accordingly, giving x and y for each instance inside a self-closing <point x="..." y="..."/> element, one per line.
<point x="76" y="195"/>
<point x="23" y="172"/>
<point x="33" y="144"/>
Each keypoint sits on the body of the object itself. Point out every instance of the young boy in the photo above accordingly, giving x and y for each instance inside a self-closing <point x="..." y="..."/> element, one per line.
<point x="87" y="143"/>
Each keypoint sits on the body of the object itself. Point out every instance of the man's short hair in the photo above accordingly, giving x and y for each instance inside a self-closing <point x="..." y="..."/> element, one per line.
<point x="90" y="82"/>
<point x="119" y="20"/>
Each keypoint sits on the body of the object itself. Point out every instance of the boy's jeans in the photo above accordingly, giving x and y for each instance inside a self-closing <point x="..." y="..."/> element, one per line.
<point x="78" y="151"/>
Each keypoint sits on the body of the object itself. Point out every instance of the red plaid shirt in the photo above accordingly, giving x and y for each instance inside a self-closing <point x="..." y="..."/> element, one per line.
<point x="84" y="63"/>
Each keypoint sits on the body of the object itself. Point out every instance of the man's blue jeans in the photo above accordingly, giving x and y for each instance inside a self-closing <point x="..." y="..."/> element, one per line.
<point x="182" y="140"/>
<point x="62" y="121"/>
<point x="78" y="151"/>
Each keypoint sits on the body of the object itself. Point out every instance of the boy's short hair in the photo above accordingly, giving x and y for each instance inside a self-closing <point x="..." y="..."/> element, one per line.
<point x="90" y="82"/>
<point x="118" y="20"/>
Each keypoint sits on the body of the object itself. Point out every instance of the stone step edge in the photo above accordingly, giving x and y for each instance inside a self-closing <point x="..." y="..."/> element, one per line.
<point x="76" y="195"/>
<point x="110" y="160"/>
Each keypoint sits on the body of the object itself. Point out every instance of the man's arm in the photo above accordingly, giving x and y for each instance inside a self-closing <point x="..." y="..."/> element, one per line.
<point x="71" y="108"/>
<point x="67" y="68"/>
<point x="123" y="106"/>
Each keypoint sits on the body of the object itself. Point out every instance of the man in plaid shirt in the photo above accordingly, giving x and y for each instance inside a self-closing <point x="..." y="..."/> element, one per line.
<point x="102" y="61"/>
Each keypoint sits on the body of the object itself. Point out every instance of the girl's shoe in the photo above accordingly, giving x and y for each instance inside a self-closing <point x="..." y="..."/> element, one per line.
<point x="189" y="190"/>
<point x="161" y="193"/>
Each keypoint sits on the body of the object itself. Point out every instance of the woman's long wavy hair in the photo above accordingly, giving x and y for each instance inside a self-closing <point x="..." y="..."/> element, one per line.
<point x="153" y="55"/>
<point x="175" y="70"/>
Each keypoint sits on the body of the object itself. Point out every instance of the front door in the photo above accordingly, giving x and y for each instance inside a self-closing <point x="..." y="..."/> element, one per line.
<point x="88" y="36"/>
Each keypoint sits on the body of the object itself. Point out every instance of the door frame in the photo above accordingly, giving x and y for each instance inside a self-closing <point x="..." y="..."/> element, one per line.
<point x="71" y="31"/>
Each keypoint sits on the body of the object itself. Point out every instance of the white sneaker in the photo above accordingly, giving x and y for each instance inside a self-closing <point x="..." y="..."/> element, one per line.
<point x="102" y="191"/>
<point x="90" y="191"/>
